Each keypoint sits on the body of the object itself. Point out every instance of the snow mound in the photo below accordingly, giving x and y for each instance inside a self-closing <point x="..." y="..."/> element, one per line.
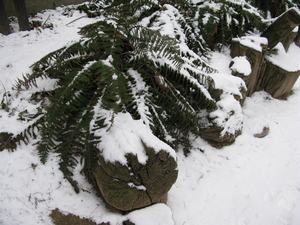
<point x="288" y="61"/>
<point x="127" y="135"/>
<point x="153" y="215"/>
<point x="241" y="65"/>
<point x="253" y="42"/>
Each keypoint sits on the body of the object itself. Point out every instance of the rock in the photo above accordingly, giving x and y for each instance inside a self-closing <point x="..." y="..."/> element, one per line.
<point x="135" y="185"/>
<point x="262" y="134"/>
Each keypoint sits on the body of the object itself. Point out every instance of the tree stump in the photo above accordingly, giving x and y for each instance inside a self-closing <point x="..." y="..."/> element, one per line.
<point x="254" y="49"/>
<point x="282" y="27"/>
<point x="297" y="39"/>
<point x="135" y="185"/>
<point x="288" y="40"/>
<point x="277" y="81"/>
<point x="4" y="23"/>
<point x="21" y="10"/>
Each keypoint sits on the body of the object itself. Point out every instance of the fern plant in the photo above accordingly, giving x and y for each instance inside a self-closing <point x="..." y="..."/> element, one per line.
<point x="100" y="76"/>
<point x="127" y="63"/>
<point x="223" y="20"/>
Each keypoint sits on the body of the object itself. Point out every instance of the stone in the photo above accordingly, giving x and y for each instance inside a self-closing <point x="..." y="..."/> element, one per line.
<point x="135" y="185"/>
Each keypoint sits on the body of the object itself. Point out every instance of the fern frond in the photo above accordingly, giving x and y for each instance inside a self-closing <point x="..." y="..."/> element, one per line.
<point x="145" y="41"/>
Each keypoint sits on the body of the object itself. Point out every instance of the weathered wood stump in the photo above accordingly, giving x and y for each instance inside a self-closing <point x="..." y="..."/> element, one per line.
<point x="297" y="39"/>
<point x="254" y="50"/>
<point x="135" y="185"/>
<point x="282" y="27"/>
<point x="269" y="72"/>
<point x="288" y="40"/>
<point x="277" y="81"/>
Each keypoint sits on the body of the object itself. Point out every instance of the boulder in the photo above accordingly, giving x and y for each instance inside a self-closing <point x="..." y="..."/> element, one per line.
<point x="135" y="185"/>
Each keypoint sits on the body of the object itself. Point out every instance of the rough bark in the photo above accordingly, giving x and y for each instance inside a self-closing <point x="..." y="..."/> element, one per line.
<point x="288" y="40"/>
<point x="278" y="82"/>
<point x="282" y="27"/>
<point x="22" y="14"/>
<point x="297" y="39"/>
<point x="255" y="58"/>
<point x="4" y="23"/>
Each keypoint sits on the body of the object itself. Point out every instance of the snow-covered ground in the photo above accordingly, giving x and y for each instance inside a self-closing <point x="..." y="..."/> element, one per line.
<point x="255" y="181"/>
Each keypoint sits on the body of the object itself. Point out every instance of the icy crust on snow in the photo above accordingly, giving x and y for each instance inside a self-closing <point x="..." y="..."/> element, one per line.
<point x="253" y="42"/>
<point x="229" y="113"/>
<point x="288" y="61"/>
<point x="126" y="136"/>
<point x="241" y="65"/>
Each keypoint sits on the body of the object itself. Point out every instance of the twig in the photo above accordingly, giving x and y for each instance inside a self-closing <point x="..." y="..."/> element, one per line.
<point x="76" y="20"/>
<point x="5" y="92"/>
<point x="45" y="21"/>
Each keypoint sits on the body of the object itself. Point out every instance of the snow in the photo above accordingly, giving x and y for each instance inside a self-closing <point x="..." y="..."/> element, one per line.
<point x="126" y="136"/>
<point x="241" y="65"/>
<point x="229" y="113"/>
<point x="288" y="61"/>
<point x="253" y="181"/>
<point x="253" y="42"/>
<point x="158" y="214"/>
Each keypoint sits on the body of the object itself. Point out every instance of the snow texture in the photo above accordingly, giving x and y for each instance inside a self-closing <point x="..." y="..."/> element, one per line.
<point x="125" y="136"/>
<point x="229" y="113"/>
<point x="253" y="181"/>
<point x="241" y="65"/>
<point x="288" y="61"/>
<point x="253" y="42"/>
